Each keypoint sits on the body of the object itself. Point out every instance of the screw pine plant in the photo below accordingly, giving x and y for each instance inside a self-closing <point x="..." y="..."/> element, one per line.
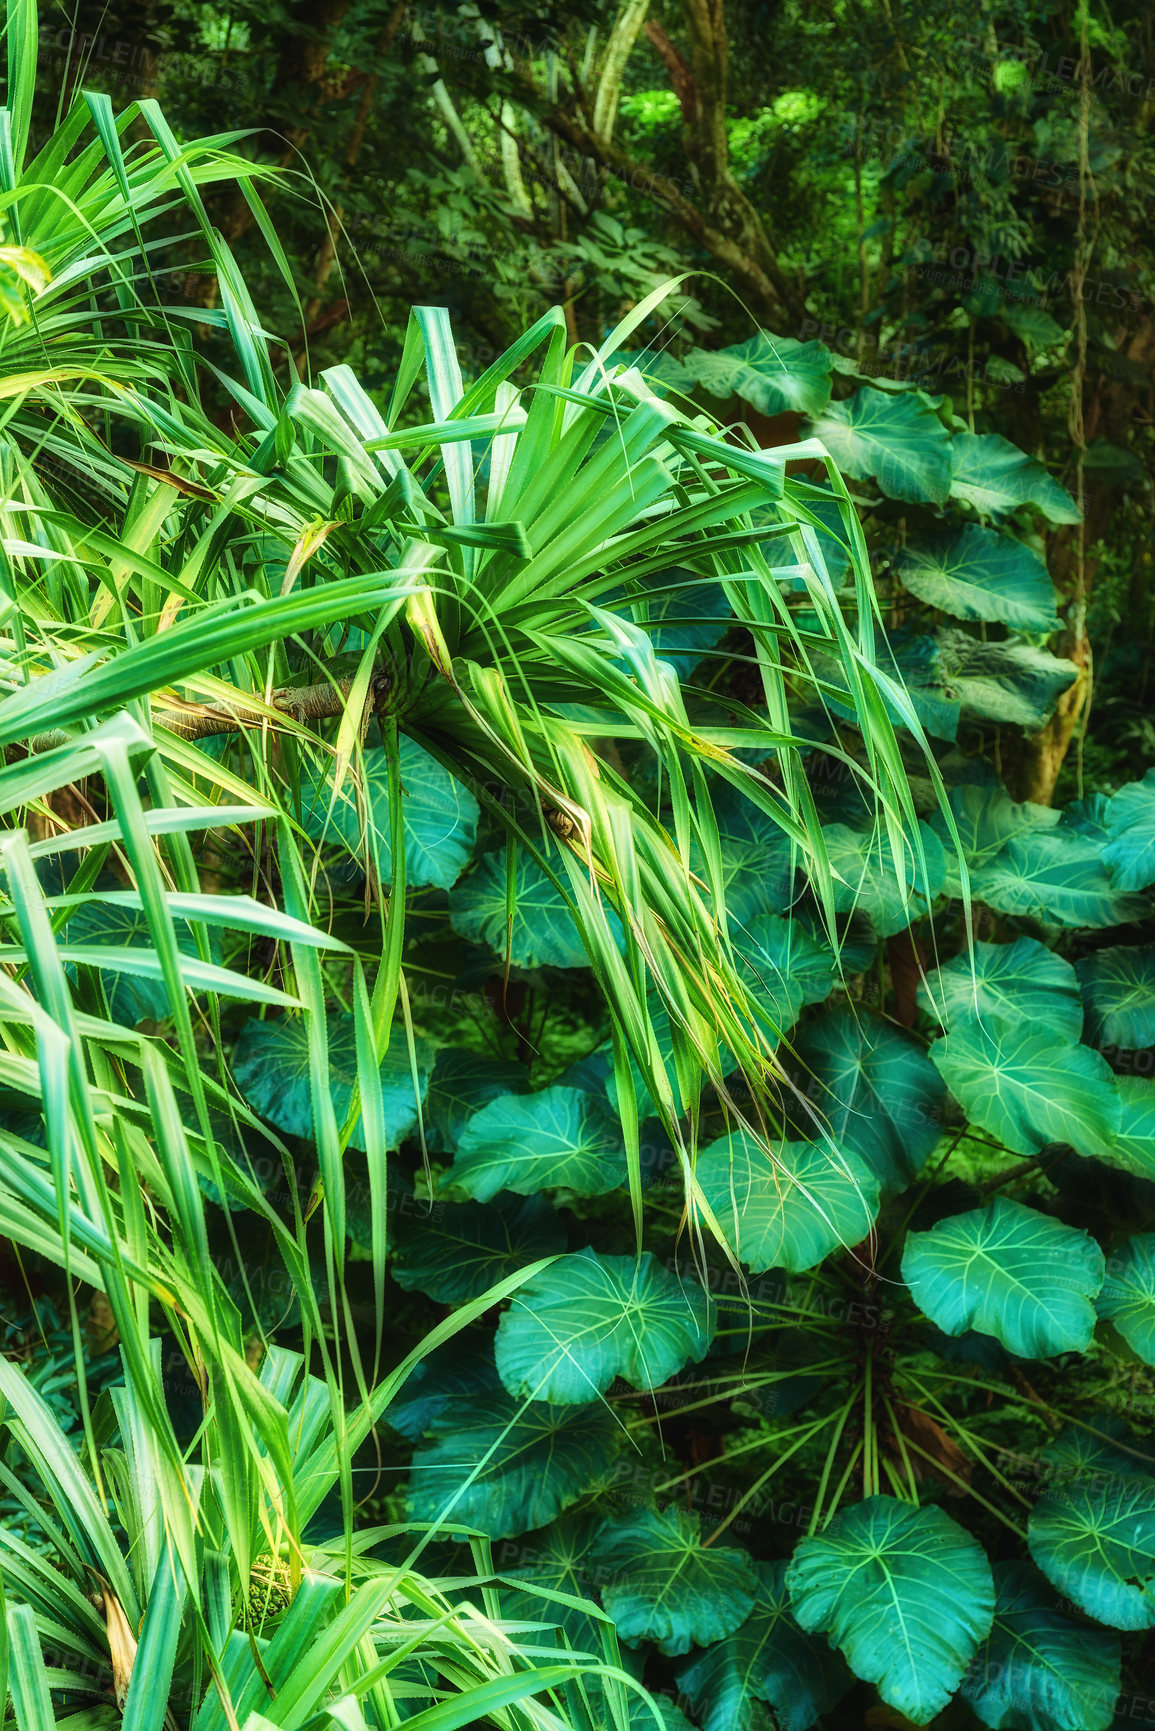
<point x="451" y="844"/>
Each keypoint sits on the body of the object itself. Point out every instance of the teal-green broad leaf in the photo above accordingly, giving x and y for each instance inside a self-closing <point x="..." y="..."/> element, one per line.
<point x="767" y="1660"/>
<point x="891" y="893"/>
<point x="1009" y="682"/>
<point x="755" y="858"/>
<point x="456" y="1251"/>
<point x="904" y="1592"/>
<point x="573" y="1328"/>
<point x="554" y="1558"/>
<point x="872" y="1090"/>
<point x="1130" y="851"/>
<point x="1133" y="1145"/>
<point x="1055" y="875"/>
<point x="439" y="814"/>
<point x="1119" y="992"/>
<point x="994" y="476"/>
<point x="112" y="927"/>
<point x="461" y="1084"/>
<point x="789" y="1210"/>
<point x="543" y="932"/>
<point x="452" y="1375"/>
<point x="1027" y="1088"/>
<point x="506" y="1466"/>
<point x="897" y="439"/>
<point x="981" y="574"/>
<point x="772" y="374"/>
<point x="271" y="1067"/>
<point x="1011" y="1272"/>
<point x="785" y="965"/>
<point x="1038" y="1670"/>
<point x="986" y="818"/>
<point x="1128" y="1295"/>
<point x="1094" y="1539"/>
<point x="660" y="1584"/>
<point x="559" y="1138"/>
<point x="1023" y="978"/>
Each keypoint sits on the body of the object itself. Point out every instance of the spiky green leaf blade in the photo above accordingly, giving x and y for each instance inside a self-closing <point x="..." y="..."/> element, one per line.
<point x="904" y="1592"/>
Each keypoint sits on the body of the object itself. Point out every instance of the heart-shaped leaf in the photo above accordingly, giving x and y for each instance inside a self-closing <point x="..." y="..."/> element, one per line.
<point x="590" y="1318"/>
<point x="1128" y="1295"/>
<point x="1028" y="1089"/>
<point x="785" y="966"/>
<point x="659" y="1584"/>
<point x="1056" y="875"/>
<point x="772" y="374"/>
<point x="897" y="439"/>
<point x="994" y="476"/>
<point x="1010" y="682"/>
<point x="1037" y="1670"/>
<point x="1021" y="979"/>
<point x="456" y="1251"/>
<point x="543" y="931"/>
<point x="789" y="1210"/>
<point x="1119" y="992"/>
<point x="1130" y="850"/>
<point x="1094" y="1539"/>
<point x="769" y="1659"/>
<point x="461" y="1084"/>
<point x="981" y="574"/>
<point x="904" y="1592"/>
<point x="559" y="1138"/>
<point x="892" y="893"/>
<point x="1009" y="1271"/>
<point x="439" y="814"/>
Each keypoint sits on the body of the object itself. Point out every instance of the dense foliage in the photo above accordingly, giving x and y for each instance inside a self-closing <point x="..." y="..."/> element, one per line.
<point x="579" y="991"/>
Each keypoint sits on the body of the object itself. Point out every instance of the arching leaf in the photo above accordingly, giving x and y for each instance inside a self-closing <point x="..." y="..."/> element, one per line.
<point x="461" y="1084"/>
<point x="516" y="1465"/>
<point x="271" y="1067"/>
<point x="994" y="476"/>
<point x="1128" y="1295"/>
<point x="904" y="1592"/>
<point x="769" y="1659"/>
<point x="1037" y="1670"/>
<point x="873" y="1090"/>
<point x="1119" y="992"/>
<point x="755" y="858"/>
<point x="456" y="1251"/>
<point x="899" y="440"/>
<point x="131" y="997"/>
<point x="1055" y="875"/>
<point x="1130" y="850"/>
<point x="590" y="1318"/>
<point x="789" y="1211"/>
<point x="1094" y="1539"/>
<point x="560" y="1138"/>
<point x="544" y="931"/>
<point x="683" y="614"/>
<point x="440" y="815"/>
<point x="659" y="1584"/>
<point x="772" y="374"/>
<point x="982" y="574"/>
<point x="1028" y="1089"/>
<point x="1009" y="1271"/>
<point x="555" y="1557"/>
<point x="1022" y="979"/>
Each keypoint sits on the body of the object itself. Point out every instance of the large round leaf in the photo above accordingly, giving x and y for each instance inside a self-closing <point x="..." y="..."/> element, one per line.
<point x="271" y="1066"/>
<point x="897" y="439"/>
<point x="1037" y="1670"/>
<point x="994" y="476"/>
<point x="1056" y="875"/>
<point x="867" y="876"/>
<point x="456" y="1251"/>
<point x="982" y="574"/>
<point x="1009" y="681"/>
<point x="905" y="1593"/>
<point x="1009" y="1271"/>
<point x="543" y="931"/>
<point x="986" y="818"/>
<point x="1128" y="1295"/>
<point x="1130" y="850"/>
<point x="515" y="1465"/>
<point x="1022" y="979"/>
<point x="1133" y="1146"/>
<point x="1094" y="1539"/>
<point x="439" y="814"/>
<point x="769" y="1659"/>
<point x="461" y="1084"/>
<point x="1027" y="1088"/>
<point x="1119" y="992"/>
<point x="590" y="1318"/>
<point x="873" y="1090"/>
<point x="772" y="374"/>
<point x="790" y="1210"/>
<point x="659" y="1584"/>
<point x="450" y="1376"/>
<point x="560" y="1138"/>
